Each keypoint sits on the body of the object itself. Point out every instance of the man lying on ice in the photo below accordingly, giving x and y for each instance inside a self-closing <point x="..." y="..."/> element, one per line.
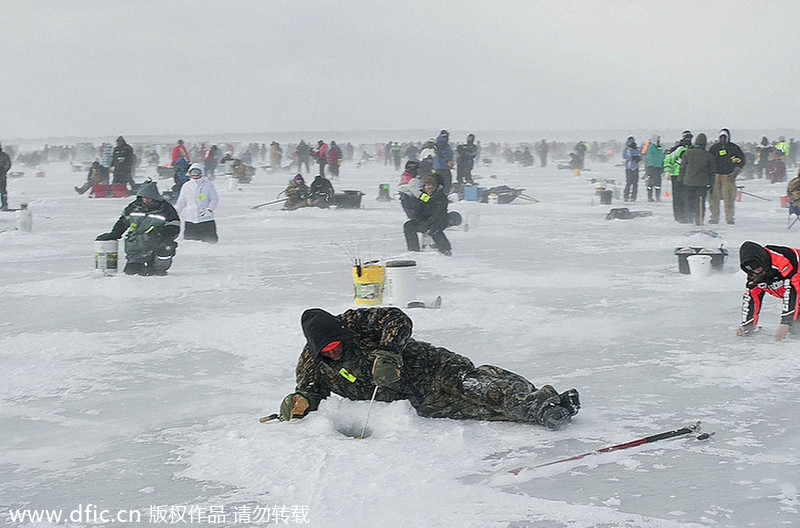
<point x="352" y="353"/>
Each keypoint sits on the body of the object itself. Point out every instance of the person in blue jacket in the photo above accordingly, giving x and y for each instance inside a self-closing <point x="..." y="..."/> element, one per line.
<point x="443" y="161"/>
<point x="632" y="157"/>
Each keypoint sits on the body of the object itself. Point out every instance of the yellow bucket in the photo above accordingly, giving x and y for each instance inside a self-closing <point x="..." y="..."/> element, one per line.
<point x="368" y="284"/>
<point x="576" y="172"/>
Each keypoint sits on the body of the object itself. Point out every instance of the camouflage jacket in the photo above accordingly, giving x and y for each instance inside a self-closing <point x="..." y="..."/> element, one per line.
<point x="437" y="382"/>
<point x="793" y="191"/>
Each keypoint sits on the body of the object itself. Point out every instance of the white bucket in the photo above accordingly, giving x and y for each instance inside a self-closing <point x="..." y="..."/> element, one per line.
<point x="232" y="183"/>
<point x="400" y="286"/>
<point x="106" y="253"/>
<point x="699" y="265"/>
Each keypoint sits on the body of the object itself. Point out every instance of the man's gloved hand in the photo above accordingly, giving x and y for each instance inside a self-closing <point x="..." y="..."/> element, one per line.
<point x="386" y="368"/>
<point x="106" y="236"/>
<point x="205" y="212"/>
<point x="294" y="406"/>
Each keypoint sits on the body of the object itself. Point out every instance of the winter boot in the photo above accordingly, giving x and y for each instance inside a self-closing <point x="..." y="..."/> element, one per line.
<point x="554" y="416"/>
<point x="570" y="401"/>
<point x="544" y="408"/>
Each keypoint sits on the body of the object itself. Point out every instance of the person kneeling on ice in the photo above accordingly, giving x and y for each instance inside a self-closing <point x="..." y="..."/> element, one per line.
<point x="152" y="225"/>
<point x="431" y="217"/>
<point x="770" y="269"/>
<point x="353" y="353"/>
<point x="197" y="202"/>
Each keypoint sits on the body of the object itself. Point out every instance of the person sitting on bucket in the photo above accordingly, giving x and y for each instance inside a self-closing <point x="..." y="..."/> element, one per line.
<point x="770" y="269"/>
<point x="431" y="217"/>
<point x="152" y="225"/>
<point x="353" y="353"/>
<point x="98" y="175"/>
<point x="320" y="193"/>
<point x="793" y="192"/>
<point x="296" y="193"/>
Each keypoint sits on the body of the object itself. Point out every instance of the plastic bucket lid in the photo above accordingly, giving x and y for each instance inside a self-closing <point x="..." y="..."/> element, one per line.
<point x="400" y="263"/>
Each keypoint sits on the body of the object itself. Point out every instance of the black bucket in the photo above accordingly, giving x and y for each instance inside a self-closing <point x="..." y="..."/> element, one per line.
<point x="718" y="256"/>
<point x="348" y="199"/>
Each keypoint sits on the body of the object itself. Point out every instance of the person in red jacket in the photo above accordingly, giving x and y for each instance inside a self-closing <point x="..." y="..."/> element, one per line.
<point x="770" y="269"/>
<point x="334" y="159"/>
<point x="322" y="156"/>
<point x="179" y="151"/>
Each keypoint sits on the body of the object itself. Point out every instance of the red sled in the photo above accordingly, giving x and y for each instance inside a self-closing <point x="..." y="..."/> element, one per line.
<point x="108" y="191"/>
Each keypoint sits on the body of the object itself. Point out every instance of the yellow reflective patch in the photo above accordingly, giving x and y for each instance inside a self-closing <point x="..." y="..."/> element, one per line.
<point x="346" y="375"/>
<point x="723" y="152"/>
<point x="150" y="229"/>
<point x="424" y="197"/>
<point x="201" y="196"/>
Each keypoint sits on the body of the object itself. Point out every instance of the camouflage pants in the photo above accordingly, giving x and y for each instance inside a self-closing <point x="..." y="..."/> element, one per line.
<point x="484" y="393"/>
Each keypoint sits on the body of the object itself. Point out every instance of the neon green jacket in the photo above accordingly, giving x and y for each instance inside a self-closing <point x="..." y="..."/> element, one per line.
<point x="672" y="161"/>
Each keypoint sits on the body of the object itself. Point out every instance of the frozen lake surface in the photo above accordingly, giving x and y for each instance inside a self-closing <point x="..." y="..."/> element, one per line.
<point x="144" y="394"/>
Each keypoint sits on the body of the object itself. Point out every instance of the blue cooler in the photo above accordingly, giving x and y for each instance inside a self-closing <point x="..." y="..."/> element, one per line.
<point x="473" y="194"/>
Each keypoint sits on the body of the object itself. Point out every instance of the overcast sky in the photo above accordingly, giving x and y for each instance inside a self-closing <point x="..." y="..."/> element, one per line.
<point x="194" y="67"/>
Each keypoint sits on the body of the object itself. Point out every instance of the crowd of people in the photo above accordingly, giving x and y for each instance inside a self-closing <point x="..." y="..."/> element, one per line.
<point x="702" y="173"/>
<point x="369" y="353"/>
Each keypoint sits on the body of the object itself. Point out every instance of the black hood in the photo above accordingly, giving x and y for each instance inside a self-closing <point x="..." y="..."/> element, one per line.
<point x="752" y="255"/>
<point x="320" y="329"/>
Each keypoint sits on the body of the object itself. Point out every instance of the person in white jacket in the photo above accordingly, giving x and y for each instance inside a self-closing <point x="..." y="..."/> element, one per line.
<point x="197" y="201"/>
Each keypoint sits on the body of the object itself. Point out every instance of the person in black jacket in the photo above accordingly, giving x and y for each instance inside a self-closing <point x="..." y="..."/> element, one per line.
<point x="729" y="160"/>
<point x="320" y="194"/>
<point x="151" y="226"/>
<point x="431" y="217"/>
<point x="465" y="160"/>
<point x="122" y="161"/>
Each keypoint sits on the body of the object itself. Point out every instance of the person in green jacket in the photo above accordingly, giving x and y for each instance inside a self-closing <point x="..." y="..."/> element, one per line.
<point x="654" y="167"/>
<point x="672" y="166"/>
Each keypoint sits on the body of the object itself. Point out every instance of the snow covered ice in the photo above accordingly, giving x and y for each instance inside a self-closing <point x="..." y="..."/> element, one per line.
<point x="142" y="393"/>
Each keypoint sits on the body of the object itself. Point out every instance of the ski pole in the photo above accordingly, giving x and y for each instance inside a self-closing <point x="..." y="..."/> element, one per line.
<point x="364" y="430"/>
<point x="646" y="440"/>
<point x="793" y="221"/>
<point x="269" y="203"/>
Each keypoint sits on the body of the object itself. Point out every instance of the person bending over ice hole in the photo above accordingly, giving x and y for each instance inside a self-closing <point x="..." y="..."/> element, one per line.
<point x="320" y="193"/>
<point x="770" y="269"/>
<point x="431" y="217"/>
<point x="152" y="225"/>
<point x="352" y="353"/>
